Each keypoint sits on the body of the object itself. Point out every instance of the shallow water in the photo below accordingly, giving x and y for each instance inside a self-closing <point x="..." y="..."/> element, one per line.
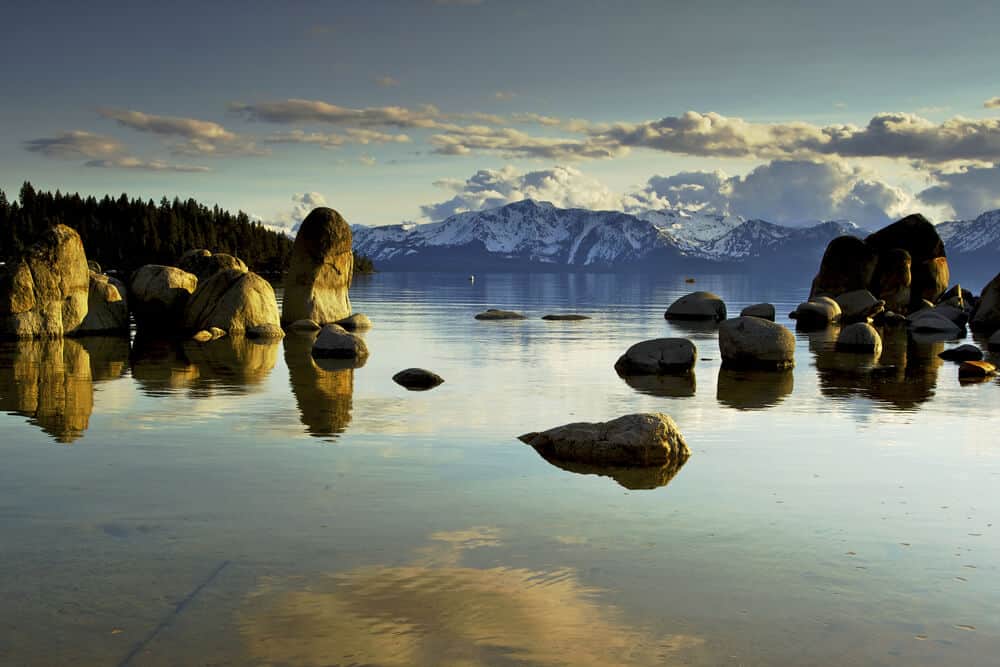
<point x="237" y="504"/>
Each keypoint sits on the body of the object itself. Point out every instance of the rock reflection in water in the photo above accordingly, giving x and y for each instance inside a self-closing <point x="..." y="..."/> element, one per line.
<point x="323" y="388"/>
<point x="632" y="478"/>
<point x="903" y="378"/>
<point x="695" y="329"/>
<point x="51" y="381"/>
<point x="668" y="386"/>
<point x="753" y="389"/>
<point x="234" y="364"/>
<point x="436" y="611"/>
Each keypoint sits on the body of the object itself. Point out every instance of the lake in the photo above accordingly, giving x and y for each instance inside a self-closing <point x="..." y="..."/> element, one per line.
<point x="236" y="503"/>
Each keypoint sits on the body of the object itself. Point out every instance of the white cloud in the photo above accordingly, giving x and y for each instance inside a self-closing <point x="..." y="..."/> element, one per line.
<point x="289" y="221"/>
<point x="201" y="137"/>
<point x="126" y="162"/>
<point x="967" y="191"/>
<point x="333" y="140"/>
<point x="992" y="103"/>
<point x="74" y="145"/>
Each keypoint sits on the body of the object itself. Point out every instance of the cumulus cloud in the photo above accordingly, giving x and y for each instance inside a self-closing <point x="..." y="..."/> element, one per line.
<point x="334" y="140"/>
<point x="967" y="192"/>
<point x="316" y="111"/>
<point x="992" y="103"/>
<point x="512" y="143"/>
<point x="74" y="145"/>
<point x="288" y="222"/>
<point x="201" y="137"/>
<point x="783" y="191"/>
<point x="125" y="162"/>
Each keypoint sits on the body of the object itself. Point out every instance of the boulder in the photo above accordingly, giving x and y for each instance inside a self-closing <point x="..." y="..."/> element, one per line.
<point x="417" y="379"/>
<point x="858" y="306"/>
<point x="965" y="352"/>
<point x="320" y="270"/>
<point x="234" y="301"/>
<point x="929" y="320"/>
<point x="753" y="343"/>
<point x="335" y="342"/>
<point x="892" y="279"/>
<point x="976" y="370"/>
<point x="107" y="309"/>
<point x="649" y="439"/>
<point x="44" y="294"/>
<point x="94" y="266"/>
<point x="987" y="315"/>
<point x="356" y="322"/>
<point x="958" y="297"/>
<point x="916" y="235"/>
<point x="765" y="311"/>
<point x="304" y="325"/>
<point x="216" y="332"/>
<point x="569" y="317"/>
<point x="859" y="337"/>
<point x="205" y="264"/>
<point x="847" y="265"/>
<point x="264" y="331"/>
<point x="660" y="356"/>
<point x="494" y="314"/>
<point x="202" y="336"/>
<point x="159" y="294"/>
<point x="994" y="342"/>
<point x="818" y="313"/>
<point x="697" y="306"/>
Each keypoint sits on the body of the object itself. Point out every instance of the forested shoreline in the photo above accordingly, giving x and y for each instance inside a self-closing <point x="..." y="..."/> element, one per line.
<point x="125" y="233"/>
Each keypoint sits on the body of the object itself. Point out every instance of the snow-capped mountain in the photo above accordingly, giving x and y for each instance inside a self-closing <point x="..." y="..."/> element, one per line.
<point x="529" y="234"/>
<point x="966" y="236"/>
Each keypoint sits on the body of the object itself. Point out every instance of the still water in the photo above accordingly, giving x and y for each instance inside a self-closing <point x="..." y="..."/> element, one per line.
<point x="235" y="503"/>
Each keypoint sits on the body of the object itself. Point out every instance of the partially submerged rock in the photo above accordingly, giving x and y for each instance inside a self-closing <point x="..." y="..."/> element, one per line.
<point x="644" y="439"/>
<point x="859" y="306"/>
<point x="356" y="322"/>
<point x="334" y="342"/>
<point x="764" y="311"/>
<point x="819" y="313"/>
<point x="859" y="337"/>
<point x="159" y="294"/>
<point x="495" y="314"/>
<point x="965" y="352"/>
<point x="319" y="274"/>
<point x="235" y="301"/>
<point x="44" y="294"/>
<point x="417" y="379"/>
<point x="658" y="356"/>
<point x="568" y="317"/>
<point x="976" y="370"/>
<point x="750" y="342"/>
<point x="697" y="306"/>
<point x="930" y="321"/>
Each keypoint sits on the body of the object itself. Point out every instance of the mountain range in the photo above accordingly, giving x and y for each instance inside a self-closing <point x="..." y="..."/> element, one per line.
<point x="537" y="236"/>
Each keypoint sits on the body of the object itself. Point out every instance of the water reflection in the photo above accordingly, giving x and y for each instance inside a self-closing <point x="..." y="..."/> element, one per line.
<point x="633" y="478"/>
<point x="904" y="377"/>
<point x="668" y="386"/>
<point x="437" y="611"/>
<point x="323" y="388"/>
<point x="51" y="381"/>
<point x="753" y="389"/>
<point x="230" y="365"/>
<point x="695" y="329"/>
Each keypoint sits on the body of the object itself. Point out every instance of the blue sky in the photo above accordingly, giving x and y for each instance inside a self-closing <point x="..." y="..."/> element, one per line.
<point x="393" y="111"/>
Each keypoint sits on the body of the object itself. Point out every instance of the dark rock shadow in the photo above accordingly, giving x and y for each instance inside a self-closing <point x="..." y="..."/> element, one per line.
<point x="632" y="478"/>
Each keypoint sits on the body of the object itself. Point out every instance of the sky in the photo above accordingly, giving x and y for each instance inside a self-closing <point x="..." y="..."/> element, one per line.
<point x="411" y="111"/>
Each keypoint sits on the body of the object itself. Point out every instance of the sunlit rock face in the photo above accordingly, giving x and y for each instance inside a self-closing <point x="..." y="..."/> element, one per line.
<point x="323" y="388"/>
<point x="232" y="300"/>
<point x="319" y="274"/>
<point x="438" y="611"/>
<point x="107" y="307"/>
<point x="44" y="293"/>
<point x="204" y="264"/>
<point x="49" y="381"/>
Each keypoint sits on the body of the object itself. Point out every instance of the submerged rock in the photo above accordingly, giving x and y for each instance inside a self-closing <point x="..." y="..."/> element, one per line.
<point x="962" y="353"/>
<point x="658" y="356"/>
<point x="859" y="337"/>
<point x="750" y="342"/>
<point x="319" y="274"/>
<point x="44" y="294"/>
<point x="569" y="317"/>
<point x="417" y="379"/>
<point x="494" y="314"/>
<point x="649" y="439"/>
<point x="764" y="311"/>
<point x="334" y="342"/>
<point x="697" y="306"/>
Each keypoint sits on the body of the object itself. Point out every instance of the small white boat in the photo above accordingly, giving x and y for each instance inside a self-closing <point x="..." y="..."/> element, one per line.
<point x="472" y="279"/>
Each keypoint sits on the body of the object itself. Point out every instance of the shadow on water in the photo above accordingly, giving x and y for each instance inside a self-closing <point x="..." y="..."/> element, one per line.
<point x="229" y="365"/>
<point x="323" y="388"/>
<point x="436" y="610"/>
<point x="753" y="389"/>
<point x="634" y="479"/>
<point x="667" y="386"/>
<point x="902" y="378"/>
<point x="51" y="381"/>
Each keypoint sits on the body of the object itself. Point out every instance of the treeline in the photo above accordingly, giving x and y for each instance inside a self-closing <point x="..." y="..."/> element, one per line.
<point x="125" y="233"/>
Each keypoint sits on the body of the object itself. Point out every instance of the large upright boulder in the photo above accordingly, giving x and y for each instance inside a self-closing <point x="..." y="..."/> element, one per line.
<point x="320" y="271"/>
<point x="107" y="307"/>
<point x="893" y="278"/>
<point x="205" y="264"/>
<point x="44" y="293"/>
<point x="159" y="294"/>
<point x="847" y="265"/>
<point x="233" y="300"/>
<point x="916" y="235"/>
<point x="987" y="315"/>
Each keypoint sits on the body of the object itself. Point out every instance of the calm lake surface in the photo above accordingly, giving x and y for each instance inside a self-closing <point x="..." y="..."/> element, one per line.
<point x="234" y="503"/>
